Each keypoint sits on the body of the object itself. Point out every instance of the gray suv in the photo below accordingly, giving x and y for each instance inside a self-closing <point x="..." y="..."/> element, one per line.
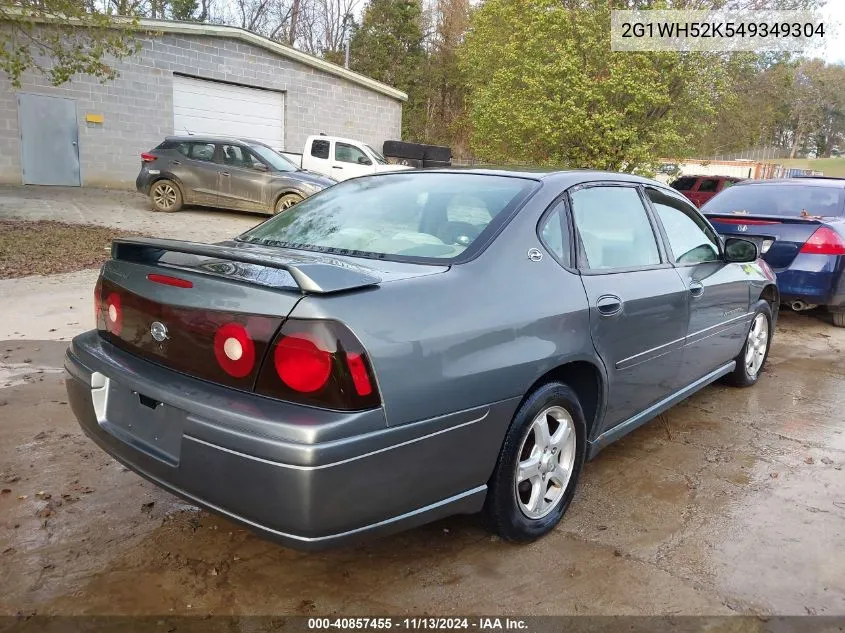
<point x="223" y="172"/>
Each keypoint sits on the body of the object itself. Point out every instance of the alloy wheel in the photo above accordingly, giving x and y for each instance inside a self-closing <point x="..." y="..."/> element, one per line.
<point x="164" y="196"/>
<point x="758" y="343"/>
<point x="546" y="461"/>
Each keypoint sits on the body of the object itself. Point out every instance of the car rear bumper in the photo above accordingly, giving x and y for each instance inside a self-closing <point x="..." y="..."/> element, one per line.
<point x="143" y="181"/>
<point x="242" y="455"/>
<point x="816" y="279"/>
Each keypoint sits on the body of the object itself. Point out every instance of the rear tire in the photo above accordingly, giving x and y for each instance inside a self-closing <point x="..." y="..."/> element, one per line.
<point x="838" y="319"/>
<point x="287" y="201"/>
<point x="166" y="196"/>
<point x="538" y="470"/>
<point x="752" y="357"/>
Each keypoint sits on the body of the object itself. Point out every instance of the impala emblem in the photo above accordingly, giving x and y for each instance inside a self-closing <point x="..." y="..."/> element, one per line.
<point x="158" y="331"/>
<point x="534" y="254"/>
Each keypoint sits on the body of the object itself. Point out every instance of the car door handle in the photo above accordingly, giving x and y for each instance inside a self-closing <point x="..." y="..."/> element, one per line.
<point x="225" y="173"/>
<point x="175" y="162"/>
<point x="696" y="289"/>
<point x="609" y="305"/>
<point x="336" y="167"/>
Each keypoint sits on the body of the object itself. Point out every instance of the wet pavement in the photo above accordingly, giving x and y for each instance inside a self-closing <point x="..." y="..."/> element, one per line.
<point x="733" y="502"/>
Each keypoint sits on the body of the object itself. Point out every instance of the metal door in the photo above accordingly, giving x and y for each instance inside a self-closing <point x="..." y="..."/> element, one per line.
<point x="49" y="140"/>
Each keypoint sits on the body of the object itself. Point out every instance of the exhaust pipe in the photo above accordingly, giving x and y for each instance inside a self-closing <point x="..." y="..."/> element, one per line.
<point x="798" y="306"/>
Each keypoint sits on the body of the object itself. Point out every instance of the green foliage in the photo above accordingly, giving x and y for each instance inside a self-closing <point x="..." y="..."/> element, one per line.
<point x="77" y="39"/>
<point x="388" y="46"/>
<point x="545" y="88"/>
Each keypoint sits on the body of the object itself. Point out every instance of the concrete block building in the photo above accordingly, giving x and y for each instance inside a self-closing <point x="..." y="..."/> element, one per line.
<point x="187" y="78"/>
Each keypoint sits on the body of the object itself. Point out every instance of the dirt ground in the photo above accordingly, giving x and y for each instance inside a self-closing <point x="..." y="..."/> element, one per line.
<point x="734" y="504"/>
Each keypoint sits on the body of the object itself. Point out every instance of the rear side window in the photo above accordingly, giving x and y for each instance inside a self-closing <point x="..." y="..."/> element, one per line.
<point x="684" y="184"/>
<point x="554" y="233"/>
<point x="709" y="185"/>
<point x="779" y="199"/>
<point x="197" y="151"/>
<point x="320" y="149"/>
<point x="614" y="228"/>
<point x="398" y="216"/>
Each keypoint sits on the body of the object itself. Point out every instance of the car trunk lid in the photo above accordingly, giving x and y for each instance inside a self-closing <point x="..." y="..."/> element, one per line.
<point x="779" y="238"/>
<point x="212" y="310"/>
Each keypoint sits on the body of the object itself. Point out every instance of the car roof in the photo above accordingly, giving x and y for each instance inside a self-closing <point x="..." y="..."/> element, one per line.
<point x="564" y="178"/>
<point x="806" y="181"/>
<point x="208" y="138"/>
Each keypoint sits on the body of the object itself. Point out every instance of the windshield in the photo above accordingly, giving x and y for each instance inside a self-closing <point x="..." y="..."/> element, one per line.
<point x="274" y="159"/>
<point x="379" y="158"/>
<point x="777" y="199"/>
<point x="397" y="215"/>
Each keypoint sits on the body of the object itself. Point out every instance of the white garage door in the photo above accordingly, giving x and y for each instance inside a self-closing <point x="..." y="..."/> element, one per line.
<point x="211" y="107"/>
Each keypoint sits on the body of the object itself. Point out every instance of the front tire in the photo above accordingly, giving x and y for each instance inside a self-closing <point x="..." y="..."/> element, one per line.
<point x="752" y="357"/>
<point x="539" y="465"/>
<point x="286" y="202"/>
<point x="166" y="196"/>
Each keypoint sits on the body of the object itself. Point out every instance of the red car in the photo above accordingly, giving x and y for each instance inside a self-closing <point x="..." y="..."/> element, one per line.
<point x="700" y="189"/>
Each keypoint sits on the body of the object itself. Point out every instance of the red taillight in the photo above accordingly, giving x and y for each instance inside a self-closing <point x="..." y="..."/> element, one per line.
<point x="824" y="241"/>
<point x="113" y="313"/>
<point x="301" y="364"/>
<point x="167" y="280"/>
<point x="360" y="377"/>
<point x="234" y="350"/>
<point x="319" y="363"/>
<point x="148" y="158"/>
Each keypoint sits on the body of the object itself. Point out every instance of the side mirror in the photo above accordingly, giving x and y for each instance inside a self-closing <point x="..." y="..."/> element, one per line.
<point x="363" y="160"/>
<point x="740" y="251"/>
<point x="261" y="167"/>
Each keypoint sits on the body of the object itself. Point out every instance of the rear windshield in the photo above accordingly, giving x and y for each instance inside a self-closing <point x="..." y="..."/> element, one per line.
<point x="778" y="199"/>
<point x="684" y="184"/>
<point x="398" y="216"/>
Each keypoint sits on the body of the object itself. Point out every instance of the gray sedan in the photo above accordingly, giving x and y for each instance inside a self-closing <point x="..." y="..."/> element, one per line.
<point x="408" y="346"/>
<point x="223" y="172"/>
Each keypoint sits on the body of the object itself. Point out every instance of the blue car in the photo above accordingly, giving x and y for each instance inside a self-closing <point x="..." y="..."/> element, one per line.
<point x="798" y="225"/>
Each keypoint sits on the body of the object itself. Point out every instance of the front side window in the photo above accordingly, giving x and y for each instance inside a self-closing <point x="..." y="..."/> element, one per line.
<point x="691" y="240"/>
<point x="614" y="228"/>
<point x="346" y="153"/>
<point x="394" y="216"/>
<point x="237" y="156"/>
<point x="273" y="158"/>
<point x="320" y="149"/>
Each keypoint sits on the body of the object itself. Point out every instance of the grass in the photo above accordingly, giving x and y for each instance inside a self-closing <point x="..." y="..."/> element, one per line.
<point x="46" y="247"/>
<point x="830" y="166"/>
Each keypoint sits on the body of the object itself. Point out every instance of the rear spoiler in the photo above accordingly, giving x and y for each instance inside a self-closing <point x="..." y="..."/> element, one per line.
<point x="311" y="277"/>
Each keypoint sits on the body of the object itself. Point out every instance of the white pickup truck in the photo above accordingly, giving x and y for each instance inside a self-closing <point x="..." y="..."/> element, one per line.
<point x="340" y="158"/>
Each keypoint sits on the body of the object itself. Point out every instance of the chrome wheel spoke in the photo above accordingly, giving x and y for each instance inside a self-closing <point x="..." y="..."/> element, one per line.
<point x="757" y="344"/>
<point x="529" y="469"/>
<point x="541" y="431"/>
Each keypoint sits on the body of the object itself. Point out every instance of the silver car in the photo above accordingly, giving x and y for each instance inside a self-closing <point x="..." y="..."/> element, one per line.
<point x="227" y="173"/>
<point x="407" y="346"/>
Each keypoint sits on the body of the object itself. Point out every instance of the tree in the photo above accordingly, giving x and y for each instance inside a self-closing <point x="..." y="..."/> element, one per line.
<point x="545" y="88"/>
<point x="77" y="38"/>
<point x="388" y="46"/>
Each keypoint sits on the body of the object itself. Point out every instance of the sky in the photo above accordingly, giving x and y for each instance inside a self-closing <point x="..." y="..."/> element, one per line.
<point x="834" y="13"/>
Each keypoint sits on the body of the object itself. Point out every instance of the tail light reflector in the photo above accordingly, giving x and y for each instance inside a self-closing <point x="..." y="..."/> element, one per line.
<point x="99" y="322"/>
<point x="824" y="241"/>
<point x="113" y="313"/>
<point x="148" y="158"/>
<point x="319" y="363"/>
<point x="234" y="350"/>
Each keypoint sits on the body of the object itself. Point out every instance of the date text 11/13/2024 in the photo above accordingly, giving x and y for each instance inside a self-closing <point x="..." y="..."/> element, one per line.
<point x="417" y="623"/>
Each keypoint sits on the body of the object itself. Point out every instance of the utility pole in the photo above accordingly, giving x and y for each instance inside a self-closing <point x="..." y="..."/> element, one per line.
<point x="346" y="21"/>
